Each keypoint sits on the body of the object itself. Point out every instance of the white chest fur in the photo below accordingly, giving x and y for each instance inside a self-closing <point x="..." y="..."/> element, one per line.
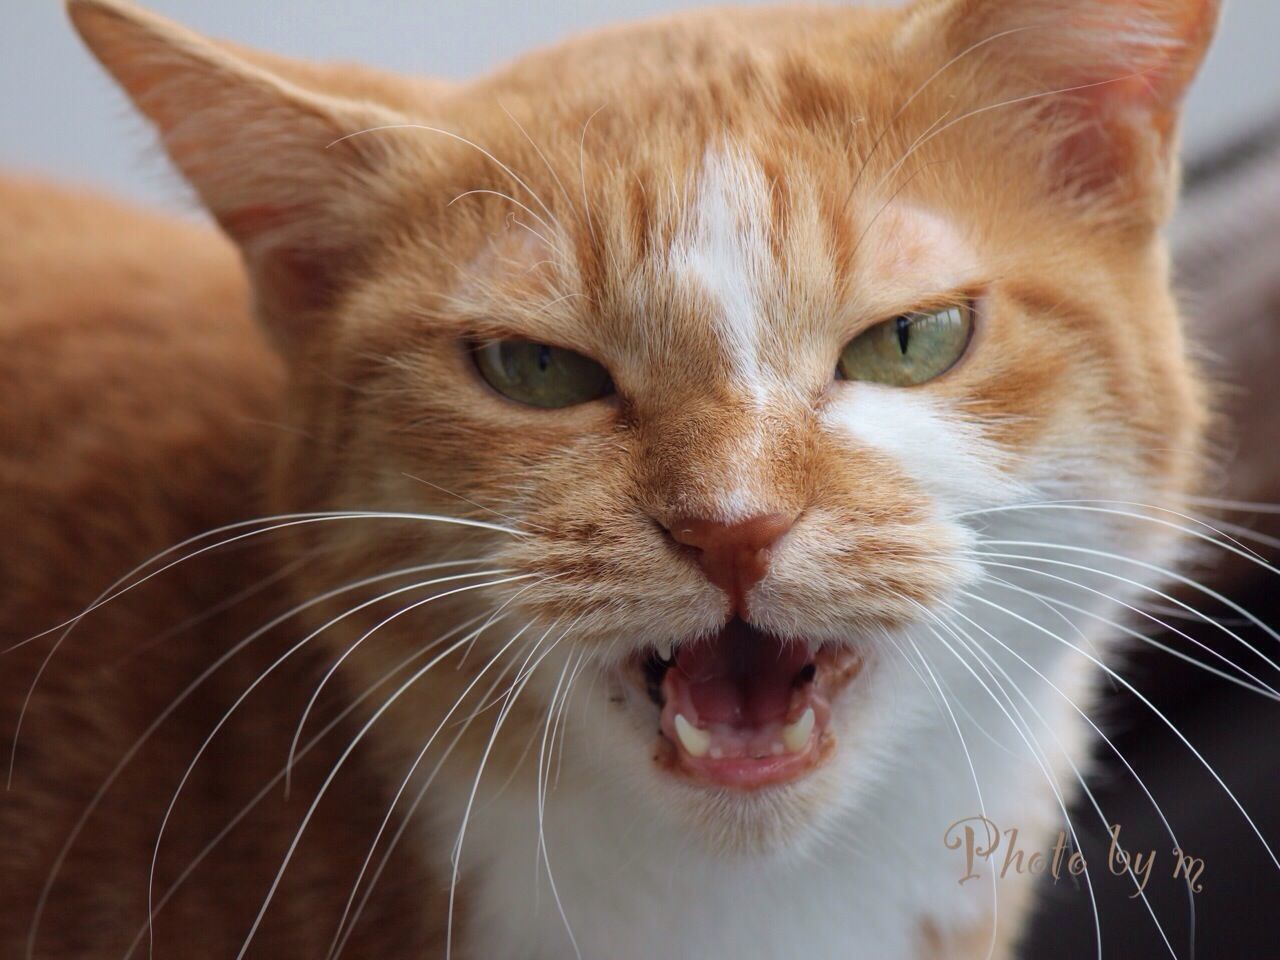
<point x="861" y="890"/>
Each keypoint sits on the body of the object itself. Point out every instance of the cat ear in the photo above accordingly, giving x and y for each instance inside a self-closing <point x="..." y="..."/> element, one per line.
<point x="266" y="155"/>
<point x="1105" y="77"/>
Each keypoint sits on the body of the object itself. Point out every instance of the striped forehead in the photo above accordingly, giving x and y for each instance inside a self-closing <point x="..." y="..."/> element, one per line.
<point x="763" y="295"/>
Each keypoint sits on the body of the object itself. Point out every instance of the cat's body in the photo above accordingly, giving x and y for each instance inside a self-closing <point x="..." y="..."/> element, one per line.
<point x="693" y="188"/>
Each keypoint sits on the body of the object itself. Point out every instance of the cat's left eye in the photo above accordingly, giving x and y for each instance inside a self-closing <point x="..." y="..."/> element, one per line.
<point x="910" y="349"/>
<point x="539" y="375"/>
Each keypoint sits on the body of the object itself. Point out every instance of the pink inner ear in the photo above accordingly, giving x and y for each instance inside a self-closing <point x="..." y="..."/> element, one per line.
<point x="1132" y="67"/>
<point x="1150" y="50"/>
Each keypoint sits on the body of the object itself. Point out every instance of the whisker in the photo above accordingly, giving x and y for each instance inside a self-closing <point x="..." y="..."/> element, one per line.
<point x="564" y="730"/>
<point x="463" y="140"/>
<point x="1150" y="706"/>
<point x="244" y="695"/>
<point x="117" y="590"/>
<point x="582" y="174"/>
<point x="191" y="688"/>
<point x="1150" y="589"/>
<point x="1023" y="729"/>
<point x="1066" y="754"/>
<point x="513" y="694"/>
<point x="1232" y="545"/>
<point x="982" y="806"/>
<point x="1126" y="630"/>
<point x="919" y="91"/>
<point x="1236" y="506"/>
<point x="1018" y="100"/>
<point x="286" y="571"/>
<point x="540" y="792"/>
<point x="337" y="664"/>
<point x="333" y="772"/>
<point x="417" y="802"/>
<point x="280" y="775"/>
<point x="338" y="939"/>
<point x="541" y="156"/>
<point x="515" y="202"/>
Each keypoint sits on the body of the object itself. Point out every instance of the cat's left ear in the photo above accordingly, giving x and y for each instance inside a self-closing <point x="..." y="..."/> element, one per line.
<point x="1103" y="79"/>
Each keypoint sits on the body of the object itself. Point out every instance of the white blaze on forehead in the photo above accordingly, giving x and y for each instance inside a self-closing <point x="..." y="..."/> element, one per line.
<point x="723" y="250"/>
<point x="944" y="452"/>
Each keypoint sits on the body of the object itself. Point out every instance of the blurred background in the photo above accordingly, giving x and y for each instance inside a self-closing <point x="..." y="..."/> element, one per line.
<point x="60" y="116"/>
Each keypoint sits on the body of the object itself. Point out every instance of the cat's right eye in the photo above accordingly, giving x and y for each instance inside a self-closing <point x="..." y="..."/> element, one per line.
<point x="540" y="375"/>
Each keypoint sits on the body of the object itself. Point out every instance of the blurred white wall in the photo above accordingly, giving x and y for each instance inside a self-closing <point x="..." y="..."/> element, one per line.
<point x="60" y="115"/>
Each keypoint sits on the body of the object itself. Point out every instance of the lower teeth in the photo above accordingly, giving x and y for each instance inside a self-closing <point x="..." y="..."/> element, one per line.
<point x="699" y="743"/>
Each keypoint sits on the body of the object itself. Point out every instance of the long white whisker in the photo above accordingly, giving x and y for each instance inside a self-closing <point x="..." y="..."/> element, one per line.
<point x="174" y="705"/>
<point x="116" y="589"/>
<point x="280" y="775"/>
<point x="337" y="664"/>
<point x="906" y="105"/>
<point x="244" y="695"/>
<point x="1086" y="506"/>
<point x="1122" y="628"/>
<point x="1009" y="103"/>
<point x="564" y="726"/>
<point x="1145" y="587"/>
<point x="482" y="191"/>
<point x="541" y="156"/>
<point x="540" y="792"/>
<point x="982" y="806"/>
<point x="582" y="174"/>
<point x="512" y="695"/>
<point x="1235" y="506"/>
<point x="1067" y="756"/>
<point x="333" y="772"/>
<point x="1150" y="706"/>
<point x="1023" y="729"/>
<point x="394" y="842"/>
<point x="404" y="783"/>
<point x="463" y="140"/>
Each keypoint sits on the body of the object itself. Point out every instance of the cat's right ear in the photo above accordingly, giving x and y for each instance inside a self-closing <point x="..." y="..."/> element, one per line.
<point x="277" y="163"/>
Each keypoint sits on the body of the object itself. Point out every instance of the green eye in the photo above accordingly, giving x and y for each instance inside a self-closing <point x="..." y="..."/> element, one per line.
<point x="910" y="349"/>
<point x="541" y="376"/>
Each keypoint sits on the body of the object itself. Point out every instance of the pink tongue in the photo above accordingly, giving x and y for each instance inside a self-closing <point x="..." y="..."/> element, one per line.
<point x="740" y="677"/>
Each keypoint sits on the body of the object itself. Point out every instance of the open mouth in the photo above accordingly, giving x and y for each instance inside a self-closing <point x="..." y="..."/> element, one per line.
<point x="744" y="708"/>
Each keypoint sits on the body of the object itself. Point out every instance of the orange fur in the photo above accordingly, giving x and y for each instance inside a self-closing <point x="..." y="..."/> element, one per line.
<point x="385" y="223"/>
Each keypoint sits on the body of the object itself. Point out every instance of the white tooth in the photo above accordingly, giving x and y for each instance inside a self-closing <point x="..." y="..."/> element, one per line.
<point x="796" y="735"/>
<point x="695" y="742"/>
<point x="664" y="649"/>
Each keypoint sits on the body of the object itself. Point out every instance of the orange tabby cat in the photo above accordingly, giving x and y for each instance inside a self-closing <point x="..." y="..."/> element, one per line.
<point x="681" y="436"/>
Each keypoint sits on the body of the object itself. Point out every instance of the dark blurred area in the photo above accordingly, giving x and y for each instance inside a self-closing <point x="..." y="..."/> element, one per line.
<point x="1227" y="251"/>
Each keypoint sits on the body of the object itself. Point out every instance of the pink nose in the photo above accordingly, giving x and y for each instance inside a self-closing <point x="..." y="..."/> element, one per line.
<point x="734" y="556"/>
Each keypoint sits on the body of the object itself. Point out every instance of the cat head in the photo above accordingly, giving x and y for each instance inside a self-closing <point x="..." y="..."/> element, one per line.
<point x="734" y="336"/>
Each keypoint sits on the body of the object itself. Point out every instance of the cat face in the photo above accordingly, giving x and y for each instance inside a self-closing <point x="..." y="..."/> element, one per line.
<point x="736" y="326"/>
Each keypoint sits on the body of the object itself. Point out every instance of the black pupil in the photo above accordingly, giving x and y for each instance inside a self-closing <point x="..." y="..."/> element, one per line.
<point x="904" y="333"/>
<point x="544" y="357"/>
